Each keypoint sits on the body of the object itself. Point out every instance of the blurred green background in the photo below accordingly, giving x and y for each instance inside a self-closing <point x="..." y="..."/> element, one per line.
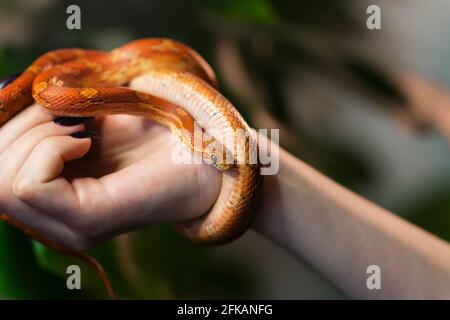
<point x="310" y="68"/>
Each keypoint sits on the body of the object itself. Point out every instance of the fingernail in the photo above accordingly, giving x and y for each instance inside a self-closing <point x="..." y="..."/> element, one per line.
<point x="71" y="121"/>
<point x="85" y="134"/>
<point x="8" y="79"/>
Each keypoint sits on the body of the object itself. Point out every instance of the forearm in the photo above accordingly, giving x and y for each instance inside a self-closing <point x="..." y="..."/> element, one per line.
<point x="340" y="234"/>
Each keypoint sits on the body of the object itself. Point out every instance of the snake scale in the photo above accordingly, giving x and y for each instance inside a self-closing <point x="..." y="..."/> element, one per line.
<point x="181" y="95"/>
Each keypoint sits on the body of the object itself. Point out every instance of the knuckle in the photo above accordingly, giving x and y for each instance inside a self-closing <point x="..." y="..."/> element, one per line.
<point x="48" y="144"/>
<point x="24" y="188"/>
<point x="40" y="113"/>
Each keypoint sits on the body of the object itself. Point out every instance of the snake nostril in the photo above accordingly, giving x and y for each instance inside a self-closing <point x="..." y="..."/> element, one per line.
<point x="8" y="79"/>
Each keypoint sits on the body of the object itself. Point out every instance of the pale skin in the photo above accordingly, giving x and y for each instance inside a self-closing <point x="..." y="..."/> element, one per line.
<point x="125" y="180"/>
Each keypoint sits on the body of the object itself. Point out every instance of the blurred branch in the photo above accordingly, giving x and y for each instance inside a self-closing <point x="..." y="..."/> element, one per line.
<point x="413" y="101"/>
<point x="427" y="101"/>
<point x="249" y="91"/>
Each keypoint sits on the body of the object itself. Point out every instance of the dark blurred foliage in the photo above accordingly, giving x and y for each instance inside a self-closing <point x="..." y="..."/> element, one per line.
<point x="254" y="45"/>
<point x="431" y="210"/>
<point x="269" y="37"/>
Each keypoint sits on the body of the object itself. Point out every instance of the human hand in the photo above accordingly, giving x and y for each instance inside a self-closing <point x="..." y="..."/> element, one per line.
<point x="80" y="190"/>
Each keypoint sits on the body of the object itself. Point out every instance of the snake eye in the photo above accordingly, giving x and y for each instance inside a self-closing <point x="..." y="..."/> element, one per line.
<point x="8" y="79"/>
<point x="214" y="158"/>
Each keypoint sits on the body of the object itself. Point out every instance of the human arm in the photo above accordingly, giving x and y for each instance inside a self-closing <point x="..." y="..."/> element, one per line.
<point x="340" y="234"/>
<point x="127" y="181"/>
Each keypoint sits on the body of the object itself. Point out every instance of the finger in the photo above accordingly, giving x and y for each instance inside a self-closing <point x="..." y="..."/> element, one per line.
<point x="39" y="183"/>
<point x="13" y="157"/>
<point x="149" y="193"/>
<point x="50" y="196"/>
<point x="48" y="227"/>
<point x="145" y="191"/>
<point x="23" y="122"/>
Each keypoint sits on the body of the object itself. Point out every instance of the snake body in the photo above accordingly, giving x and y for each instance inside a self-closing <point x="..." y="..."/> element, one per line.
<point x="181" y="94"/>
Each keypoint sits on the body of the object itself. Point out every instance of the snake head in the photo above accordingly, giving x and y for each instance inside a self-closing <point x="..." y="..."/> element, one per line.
<point x="218" y="161"/>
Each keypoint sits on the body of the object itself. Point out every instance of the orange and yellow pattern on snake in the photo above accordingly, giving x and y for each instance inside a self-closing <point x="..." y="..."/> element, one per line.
<point x="180" y="94"/>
